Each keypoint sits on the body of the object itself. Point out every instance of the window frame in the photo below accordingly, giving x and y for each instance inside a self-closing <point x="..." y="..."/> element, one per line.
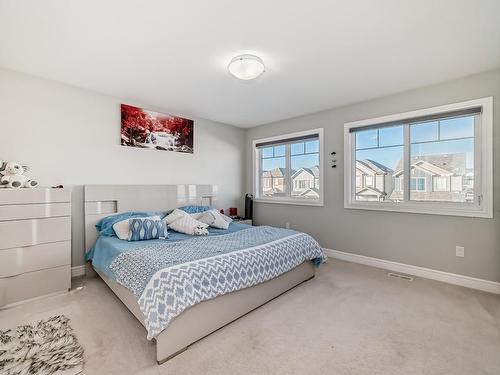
<point x="256" y="167"/>
<point x="483" y="165"/>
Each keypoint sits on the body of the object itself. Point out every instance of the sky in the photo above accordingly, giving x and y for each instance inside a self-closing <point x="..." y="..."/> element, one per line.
<point x="303" y="154"/>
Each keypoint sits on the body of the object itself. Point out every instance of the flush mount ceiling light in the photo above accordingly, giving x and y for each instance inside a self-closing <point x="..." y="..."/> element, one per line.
<point x="246" y="67"/>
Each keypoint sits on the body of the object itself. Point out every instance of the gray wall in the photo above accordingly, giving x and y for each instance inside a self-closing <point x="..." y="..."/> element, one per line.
<point x="71" y="136"/>
<point x="417" y="239"/>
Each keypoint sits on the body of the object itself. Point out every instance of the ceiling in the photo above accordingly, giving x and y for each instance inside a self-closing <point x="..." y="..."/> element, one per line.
<point x="318" y="54"/>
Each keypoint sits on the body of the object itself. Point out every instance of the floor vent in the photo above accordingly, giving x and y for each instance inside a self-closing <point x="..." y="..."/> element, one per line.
<point x="400" y="276"/>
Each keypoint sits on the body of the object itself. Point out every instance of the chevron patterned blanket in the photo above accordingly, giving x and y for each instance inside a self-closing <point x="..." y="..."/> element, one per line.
<point x="171" y="277"/>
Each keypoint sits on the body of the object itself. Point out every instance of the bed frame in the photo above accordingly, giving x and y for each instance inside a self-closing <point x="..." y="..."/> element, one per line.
<point x="206" y="317"/>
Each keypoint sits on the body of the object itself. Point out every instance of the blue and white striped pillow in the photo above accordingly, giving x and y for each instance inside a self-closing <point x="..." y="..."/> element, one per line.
<point x="147" y="229"/>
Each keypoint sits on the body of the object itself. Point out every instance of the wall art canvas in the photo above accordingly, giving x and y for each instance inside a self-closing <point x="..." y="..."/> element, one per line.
<point x="154" y="130"/>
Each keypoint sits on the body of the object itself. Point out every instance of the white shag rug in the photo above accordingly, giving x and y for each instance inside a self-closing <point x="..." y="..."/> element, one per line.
<point x="48" y="347"/>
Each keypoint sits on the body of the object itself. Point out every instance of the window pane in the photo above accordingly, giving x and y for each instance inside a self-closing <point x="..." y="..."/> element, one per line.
<point x="390" y="136"/>
<point x="460" y="127"/>
<point x="448" y="167"/>
<point x="267" y="152"/>
<point x="297" y="148"/>
<point x="312" y="146"/>
<point x="424" y="132"/>
<point x="273" y="177"/>
<point x="279" y="150"/>
<point x="379" y="173"/>
<point x="305" y="176"/>
<point x="366" y="139"/>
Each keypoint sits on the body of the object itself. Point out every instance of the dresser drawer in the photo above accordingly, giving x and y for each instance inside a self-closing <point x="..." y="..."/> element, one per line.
<point x="20" y="233"/>
<point x="32" y="258"/>
<point x="34" y="211"/>
<point x="33" y="284"/>
<point x="37" y="195"/>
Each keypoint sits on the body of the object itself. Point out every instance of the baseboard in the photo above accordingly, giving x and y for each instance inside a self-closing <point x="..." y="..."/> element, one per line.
<point x="78" y="271"/>
<point x="446" y="277"/>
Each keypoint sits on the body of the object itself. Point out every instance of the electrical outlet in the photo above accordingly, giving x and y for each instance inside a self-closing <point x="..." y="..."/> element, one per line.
<point x="287" y="225"/>
<point x="460" y="251"/>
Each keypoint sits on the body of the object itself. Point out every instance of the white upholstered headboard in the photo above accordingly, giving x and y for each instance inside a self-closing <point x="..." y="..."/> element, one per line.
<point x="105" y="200"/>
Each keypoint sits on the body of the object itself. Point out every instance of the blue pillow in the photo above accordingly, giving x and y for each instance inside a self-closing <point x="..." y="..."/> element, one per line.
<point x="105" y="225"/>
<point x="147" y="229"/>
<point x="195" y="209"/>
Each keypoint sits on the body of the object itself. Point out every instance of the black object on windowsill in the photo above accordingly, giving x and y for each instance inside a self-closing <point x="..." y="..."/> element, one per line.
<point x="58" y="187"/>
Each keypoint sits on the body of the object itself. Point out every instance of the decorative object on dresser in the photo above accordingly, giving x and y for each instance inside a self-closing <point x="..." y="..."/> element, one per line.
<point x="35" y="243"/>
<point x="12" y="175"/>
<point x="154" y="130"/>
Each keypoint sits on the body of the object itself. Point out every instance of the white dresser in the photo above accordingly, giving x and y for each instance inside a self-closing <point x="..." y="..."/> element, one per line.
<point x="35" y="243"/>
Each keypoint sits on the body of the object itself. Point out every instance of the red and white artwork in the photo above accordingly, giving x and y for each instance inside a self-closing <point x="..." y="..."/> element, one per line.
<point x="148" y="129"/>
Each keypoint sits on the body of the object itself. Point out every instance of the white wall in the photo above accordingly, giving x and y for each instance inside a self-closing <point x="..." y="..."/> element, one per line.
<point x="71" y="136"/>
<point x="417" y="239"/>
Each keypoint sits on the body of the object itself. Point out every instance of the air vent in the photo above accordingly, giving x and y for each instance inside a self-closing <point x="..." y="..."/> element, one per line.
<point x="400" y="276"/>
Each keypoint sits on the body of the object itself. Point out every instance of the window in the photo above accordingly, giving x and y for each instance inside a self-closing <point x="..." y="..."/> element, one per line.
<point x="439" y="183"/>
<point x="436" y="161"/>
<point x="369" y="181"/>
<point x="417" y="184"/>
<point x="288" y="169"/>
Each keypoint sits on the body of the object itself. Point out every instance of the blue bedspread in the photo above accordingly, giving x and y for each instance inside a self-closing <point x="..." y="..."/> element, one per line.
<point x="106" y="249"/>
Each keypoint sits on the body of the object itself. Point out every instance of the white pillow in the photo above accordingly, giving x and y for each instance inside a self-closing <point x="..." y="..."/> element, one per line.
<point x="188" y="225"/>
<point x="215" y="219"/>
<point x="174" y="215"/>
<point x="122" y="228"/>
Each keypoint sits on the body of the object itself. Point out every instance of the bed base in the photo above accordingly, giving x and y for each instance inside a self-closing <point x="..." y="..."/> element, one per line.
<point x="209" y="316"/>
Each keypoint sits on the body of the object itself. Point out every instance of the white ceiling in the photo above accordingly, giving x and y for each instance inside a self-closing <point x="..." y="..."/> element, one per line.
<point x="319" y="54"/>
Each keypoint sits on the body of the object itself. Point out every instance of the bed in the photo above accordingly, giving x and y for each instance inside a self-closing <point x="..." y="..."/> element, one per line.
<point x="184" y="288"/>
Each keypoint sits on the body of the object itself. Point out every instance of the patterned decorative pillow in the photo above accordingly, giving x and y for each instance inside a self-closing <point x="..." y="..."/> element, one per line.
<point x="105" y="225"/>
<point x="188" y="225"/>
<point x="195" y="209"/>
<point x="215" y="219"/>
<point x="147" y="229"/>
<point x="122" y="228"/>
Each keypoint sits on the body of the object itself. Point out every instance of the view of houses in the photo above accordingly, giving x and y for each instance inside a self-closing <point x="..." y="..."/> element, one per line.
<point x="440" y="177"/>
<point x="305" y="182"/>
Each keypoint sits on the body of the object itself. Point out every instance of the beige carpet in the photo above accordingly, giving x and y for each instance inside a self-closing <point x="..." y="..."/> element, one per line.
<point x="350" y="319"/>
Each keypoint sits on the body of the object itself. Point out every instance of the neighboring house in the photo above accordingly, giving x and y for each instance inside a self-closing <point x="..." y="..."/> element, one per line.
<point x="273" y="182"/>
<point x="305" y="182"/>
<point x="436" y="178"/>
<point x="373" y="180"/>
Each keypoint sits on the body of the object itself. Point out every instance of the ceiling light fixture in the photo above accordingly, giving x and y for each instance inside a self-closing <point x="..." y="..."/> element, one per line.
<point x="246" y="67"/>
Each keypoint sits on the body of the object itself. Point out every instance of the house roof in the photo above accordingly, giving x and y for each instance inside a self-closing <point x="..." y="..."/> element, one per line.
<point x="372" y="166"/>
<point x="370" y="191"/>
<point x="276" y="172"/>
<point x="436" y="165"/>
<point x="310" y="191"/>
<point x="313" y="171"/>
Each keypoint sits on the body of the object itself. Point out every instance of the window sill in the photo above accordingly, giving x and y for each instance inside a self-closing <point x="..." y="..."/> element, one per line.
<point x="291" y="202"/>
<point x="427" y="209"/>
